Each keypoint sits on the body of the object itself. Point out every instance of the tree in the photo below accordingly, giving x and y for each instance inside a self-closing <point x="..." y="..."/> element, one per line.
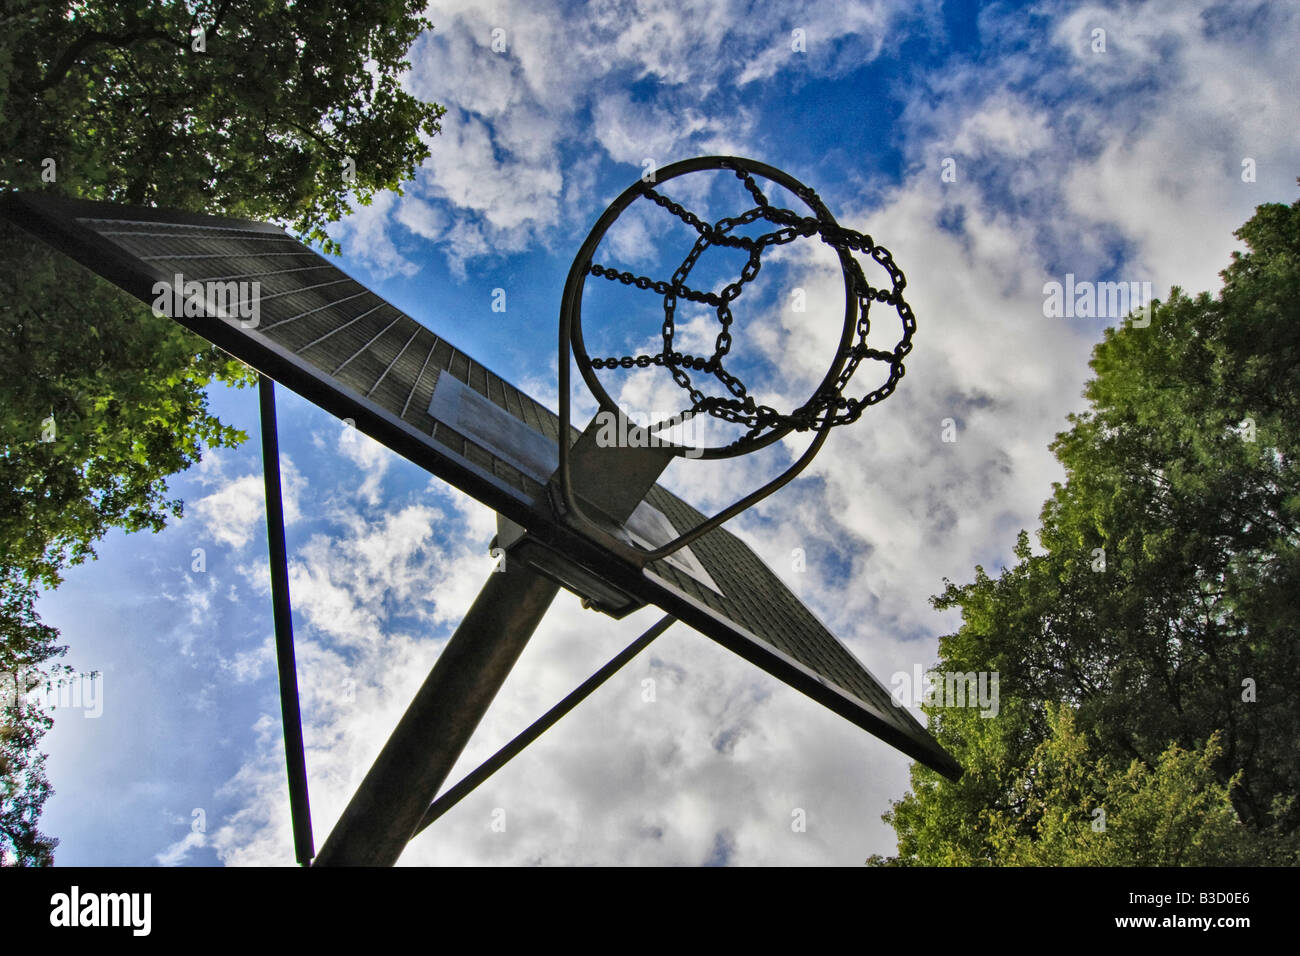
<point x="24" y="788"/>
<point x="252" y="108"/>
<point x="1090" y="811"/>
<point x="1161" y="610"/>
<point x="247" y="108"/>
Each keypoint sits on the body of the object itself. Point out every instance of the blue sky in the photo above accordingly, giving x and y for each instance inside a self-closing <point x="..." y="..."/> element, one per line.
<point x="1110" y="157"/>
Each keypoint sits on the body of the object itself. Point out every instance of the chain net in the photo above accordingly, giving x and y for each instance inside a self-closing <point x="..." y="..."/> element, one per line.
<point x="828" y="406"/>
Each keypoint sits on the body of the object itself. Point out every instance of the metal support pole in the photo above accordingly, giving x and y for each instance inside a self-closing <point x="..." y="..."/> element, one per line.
<point x="383" y="814"/>
<point x="544" y="723"/>
<point x="294" y="752"/>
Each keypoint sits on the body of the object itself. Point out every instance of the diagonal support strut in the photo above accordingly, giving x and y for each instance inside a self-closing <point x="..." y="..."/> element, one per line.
<point x="544" y="723"/>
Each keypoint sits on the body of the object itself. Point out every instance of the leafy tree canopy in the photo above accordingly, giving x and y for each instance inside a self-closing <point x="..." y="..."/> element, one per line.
<point x="263" y="109"/>
<point x="1160" y="609"/>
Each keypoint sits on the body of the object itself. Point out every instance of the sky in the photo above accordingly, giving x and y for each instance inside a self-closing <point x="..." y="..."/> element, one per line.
<point x="993" y="150"/>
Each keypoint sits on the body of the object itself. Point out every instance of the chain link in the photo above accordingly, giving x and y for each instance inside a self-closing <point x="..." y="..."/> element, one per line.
<point x="828" y="407"/>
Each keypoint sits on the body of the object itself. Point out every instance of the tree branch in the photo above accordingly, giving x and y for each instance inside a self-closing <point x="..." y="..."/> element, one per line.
<point x="95" y="38"/>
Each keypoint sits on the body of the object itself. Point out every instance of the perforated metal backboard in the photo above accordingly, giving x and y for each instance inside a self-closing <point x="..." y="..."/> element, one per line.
<point x="326" y="336"/>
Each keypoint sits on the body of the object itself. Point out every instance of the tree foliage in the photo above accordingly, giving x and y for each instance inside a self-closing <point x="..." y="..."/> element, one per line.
<point x="262" y="109"/>
<point x="1091" y="811"/>
<point x="1160" y="609"/>
<point x="26" y="647"/>
<point x="258" y="123"/>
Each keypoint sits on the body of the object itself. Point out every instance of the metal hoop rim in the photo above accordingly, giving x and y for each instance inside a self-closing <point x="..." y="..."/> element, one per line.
<point x="571" y="338"/>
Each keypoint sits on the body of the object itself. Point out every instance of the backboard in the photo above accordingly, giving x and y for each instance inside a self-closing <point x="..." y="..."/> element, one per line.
<point x="311" y="327"/>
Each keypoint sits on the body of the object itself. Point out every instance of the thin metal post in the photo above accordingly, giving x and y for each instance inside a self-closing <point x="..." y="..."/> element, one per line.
<point x="544" y="723"/>
<point x="291" y="717"/>
<point x="383" y="814"/>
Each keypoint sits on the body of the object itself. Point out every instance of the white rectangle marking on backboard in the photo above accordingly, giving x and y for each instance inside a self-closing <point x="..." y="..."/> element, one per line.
<point x="491" y="426"/>
<point x="650" y="528"/>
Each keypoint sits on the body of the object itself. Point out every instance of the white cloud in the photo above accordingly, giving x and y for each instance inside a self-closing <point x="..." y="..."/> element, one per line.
<point x="519" y="81"/>
<point x="252" y="664"/>
<point x="175" y="854"/>
<point x="506" y="195"/>
<point x="233" y="514"/>
<point x="370" y="457"/>
<point x="1004" y="125"/>
<point x="632" y="132"/>
<point x="421" y="218"/>
<point x="365" y="234"/>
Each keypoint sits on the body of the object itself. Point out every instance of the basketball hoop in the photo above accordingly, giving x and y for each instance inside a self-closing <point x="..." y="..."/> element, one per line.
<point x="826" y="408"/>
